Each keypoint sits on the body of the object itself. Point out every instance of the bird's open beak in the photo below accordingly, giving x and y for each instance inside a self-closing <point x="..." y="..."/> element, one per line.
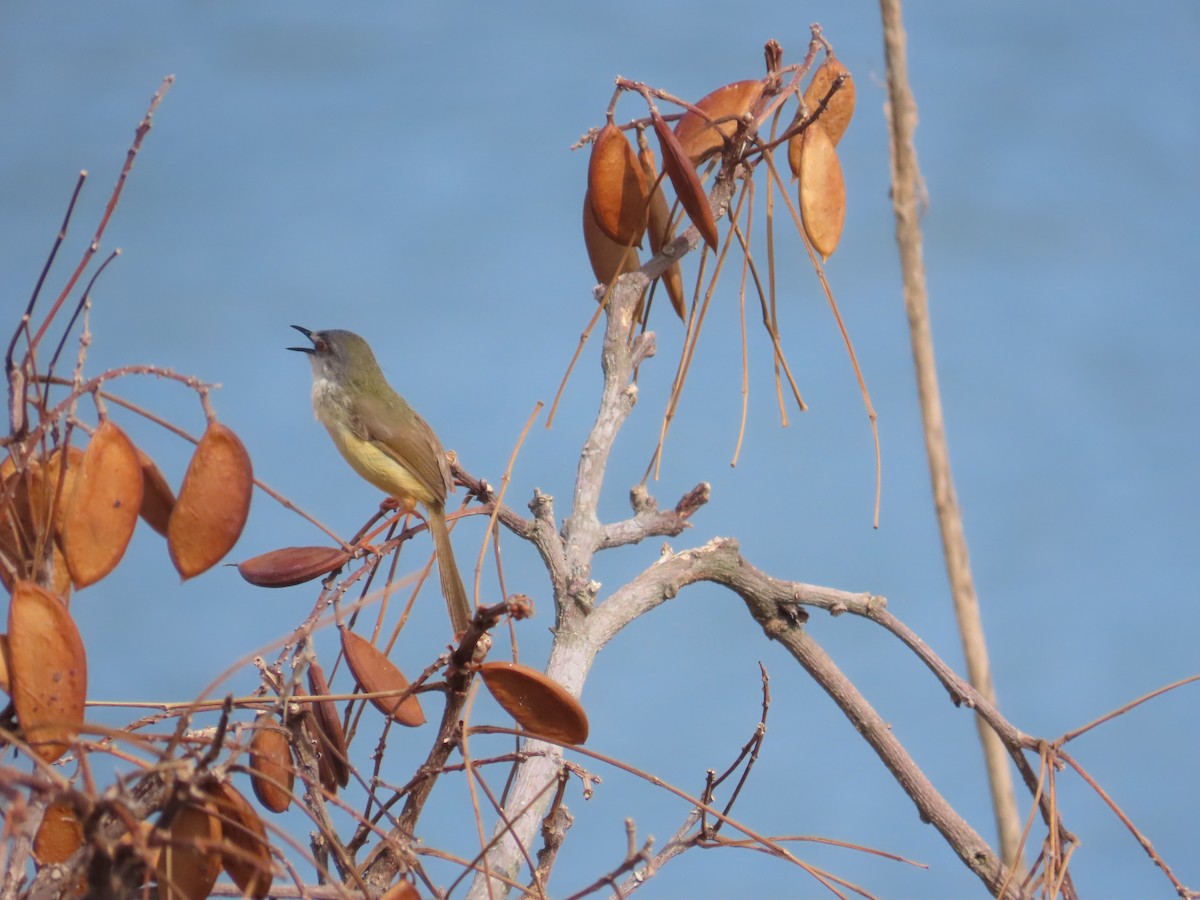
<point x="307" y="334"/>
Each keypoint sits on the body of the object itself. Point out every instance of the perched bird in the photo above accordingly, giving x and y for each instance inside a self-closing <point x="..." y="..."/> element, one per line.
<point x="385" y="442"/>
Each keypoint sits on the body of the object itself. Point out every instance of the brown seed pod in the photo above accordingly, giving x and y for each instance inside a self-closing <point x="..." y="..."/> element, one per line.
<point x="659" y="226"/>
<point x="329" y="726"/>
<point x="539" y="704"/>
<point x="31" y="521"/>
<point x="5" y="679"/>
<point x="18" y="530"/>
<point x="796" y="149"/>
<point x="60" y="576"/>
<point x="822" y="191"/>
<point x="68" y="459"/>
<point x="374" y="672"/>
<point x="617" y="187"/>
<point x="292" y="565"/>
<point x="49" y="502"/>
<point x="609" y="259"/>
<point x="157" y="497"/>
<point x="245" y="852"/>
<point x="698" y="137"/>
<point x="326" y="773"/>
<point x="10" y="554"/>
<point x="59" y="835"/>
<point x="271" y="771"/>
<point x="190" y="857"/>
<point x="840" y="110"/>
<point x="103" y="507"/>
<point x="47" y="669"/>
<point x="213" y="503"/>
<point x="686" y="182"/>
<point x="401" y="890"/>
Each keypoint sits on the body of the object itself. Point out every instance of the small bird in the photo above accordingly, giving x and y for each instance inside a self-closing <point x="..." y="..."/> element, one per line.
<point x="385" y="442"/>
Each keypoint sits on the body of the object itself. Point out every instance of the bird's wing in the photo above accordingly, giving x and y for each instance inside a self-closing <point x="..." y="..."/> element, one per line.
<point x="402" y="434"/>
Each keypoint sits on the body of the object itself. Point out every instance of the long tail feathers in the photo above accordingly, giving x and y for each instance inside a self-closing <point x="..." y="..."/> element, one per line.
<point x="452" y="585"/>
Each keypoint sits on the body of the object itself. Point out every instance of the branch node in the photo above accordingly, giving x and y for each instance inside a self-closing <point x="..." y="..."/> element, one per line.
<point x="542" y="506"/>
<point x="694" y="499"/>
<point x="520" y="606"/>
<point x="644" y="346"/>
<point x="629" y="396"/>
<point x="641" y="501"/>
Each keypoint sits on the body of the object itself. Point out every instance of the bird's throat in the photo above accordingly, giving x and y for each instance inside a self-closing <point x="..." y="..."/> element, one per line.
<point x="330" y="401"/>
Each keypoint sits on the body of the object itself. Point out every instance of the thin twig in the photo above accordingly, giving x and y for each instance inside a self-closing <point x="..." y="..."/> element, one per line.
<point x="906" y="176"/>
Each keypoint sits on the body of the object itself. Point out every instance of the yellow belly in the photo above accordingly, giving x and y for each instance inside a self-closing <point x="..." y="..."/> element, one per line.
<point x="377" y="467"/>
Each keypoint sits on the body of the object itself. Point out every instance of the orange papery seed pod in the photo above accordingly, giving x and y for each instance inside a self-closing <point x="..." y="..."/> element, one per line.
<point x="726" y="106"/>
<point x="822" y="190"/>
<point x="213" y="503"/>
<point x="617" y="188"/>
<point x="840" y="110"/>
<point x="686" y="182"/>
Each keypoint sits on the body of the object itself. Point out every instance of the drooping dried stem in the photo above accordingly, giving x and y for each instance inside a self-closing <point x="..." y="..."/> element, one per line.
<point x="906" y="177"/>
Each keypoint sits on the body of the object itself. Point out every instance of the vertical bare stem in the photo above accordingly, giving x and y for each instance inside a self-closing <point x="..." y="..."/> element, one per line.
<point x="906" y="177"/>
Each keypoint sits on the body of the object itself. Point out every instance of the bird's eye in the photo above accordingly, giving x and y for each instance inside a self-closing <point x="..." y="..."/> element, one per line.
<point x="320" y="346"/>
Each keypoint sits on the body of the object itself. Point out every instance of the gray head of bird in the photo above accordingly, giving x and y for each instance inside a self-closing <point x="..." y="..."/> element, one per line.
<point x="340" y="357"/>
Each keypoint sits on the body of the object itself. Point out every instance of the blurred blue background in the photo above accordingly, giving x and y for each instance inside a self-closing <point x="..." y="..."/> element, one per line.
<point x="403" y="171"/>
